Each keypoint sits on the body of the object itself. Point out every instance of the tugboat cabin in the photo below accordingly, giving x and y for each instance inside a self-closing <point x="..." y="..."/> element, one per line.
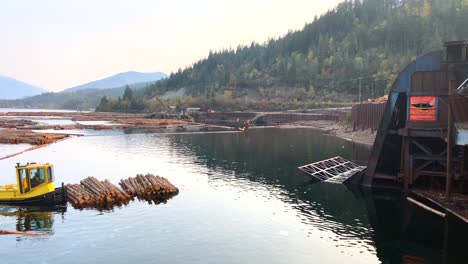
<point x="34" y="185"/>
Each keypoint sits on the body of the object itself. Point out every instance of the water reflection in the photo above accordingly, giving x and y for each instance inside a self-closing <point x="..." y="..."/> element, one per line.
<point x="242" y="200"/>
<point x="381" y="222"/>
<point x="268" y="159"/>
<point x="404" y="233"/>
<point x="36" y="219"/>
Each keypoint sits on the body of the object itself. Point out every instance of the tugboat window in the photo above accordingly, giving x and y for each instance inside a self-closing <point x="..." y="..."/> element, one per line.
<point x="42" y="175"/>
<point x="24" y="181"/>
<point x="37" y="177"/>
<point x="49" y="172"/>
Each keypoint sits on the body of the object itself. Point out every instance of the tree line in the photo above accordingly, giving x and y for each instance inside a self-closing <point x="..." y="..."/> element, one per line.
<point x="358" y="47"/>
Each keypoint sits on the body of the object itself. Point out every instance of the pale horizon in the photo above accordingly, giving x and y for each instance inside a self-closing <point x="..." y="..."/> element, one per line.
<point x="61" y="44"/>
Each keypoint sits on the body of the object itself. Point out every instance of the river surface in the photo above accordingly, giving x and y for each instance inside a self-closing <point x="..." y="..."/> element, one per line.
<point x="241" y="200"/>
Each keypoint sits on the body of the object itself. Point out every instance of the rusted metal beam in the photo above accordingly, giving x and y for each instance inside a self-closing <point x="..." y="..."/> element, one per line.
<point x="406" y="161"/>
<point x="451" y="87"/>
<point x="380" y="139"/>
<point x="422" y="133"/>
<point x="422" y="147"/>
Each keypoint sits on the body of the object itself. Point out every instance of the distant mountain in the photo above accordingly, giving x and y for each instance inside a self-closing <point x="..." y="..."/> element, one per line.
<point x="13" y="89"/>
<point x="120" y="80"/>
<point x="86" y="99"/>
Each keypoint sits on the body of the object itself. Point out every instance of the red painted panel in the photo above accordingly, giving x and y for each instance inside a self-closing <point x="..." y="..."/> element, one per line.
<point x="423" y="108"/>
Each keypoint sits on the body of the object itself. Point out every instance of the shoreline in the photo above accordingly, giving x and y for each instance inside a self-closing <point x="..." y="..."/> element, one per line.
<point x="365" y="137"/>
<point x="29" y="128"/>
<point x="17" y="127"/>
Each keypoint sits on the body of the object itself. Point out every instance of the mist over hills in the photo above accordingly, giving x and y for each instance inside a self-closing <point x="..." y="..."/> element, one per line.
<point x="85" y="96"/>
<point x="11" y="88"/>
<point x="120" y="79"/>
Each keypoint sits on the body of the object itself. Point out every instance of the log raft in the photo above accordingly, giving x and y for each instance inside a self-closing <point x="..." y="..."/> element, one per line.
<point x="103" y="195"/>
<point x="150" y="188"/>
<point x="92" y="193"/>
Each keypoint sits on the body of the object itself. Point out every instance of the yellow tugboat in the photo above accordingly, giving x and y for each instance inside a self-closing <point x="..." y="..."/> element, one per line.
<point x="35" y="186"/>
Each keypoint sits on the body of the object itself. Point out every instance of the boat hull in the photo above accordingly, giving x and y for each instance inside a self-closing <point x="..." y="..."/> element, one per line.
<point x="55" y="198"/>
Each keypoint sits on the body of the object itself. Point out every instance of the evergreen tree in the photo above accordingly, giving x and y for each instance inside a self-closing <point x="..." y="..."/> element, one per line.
<point x="366" y="40"/>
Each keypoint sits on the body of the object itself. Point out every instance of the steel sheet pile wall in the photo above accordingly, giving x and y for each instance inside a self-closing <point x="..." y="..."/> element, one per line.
<point x="235" y="119"/>
<point x="367" y="116"/>
<point x="284" y="118"/>
<point x="460" y="109"/>
<point x="224" y="118"/>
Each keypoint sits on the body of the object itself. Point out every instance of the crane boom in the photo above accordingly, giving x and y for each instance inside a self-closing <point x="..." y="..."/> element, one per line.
<point x="163" y="104"/>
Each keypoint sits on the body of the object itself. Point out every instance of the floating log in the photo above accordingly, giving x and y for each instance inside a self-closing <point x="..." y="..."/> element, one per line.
<point x="23" y="233"/>
<point x="15" y="136"/>
<point x="92" y="193"/>
<point x="149" y="188"/>
<point x="423" y="206"/>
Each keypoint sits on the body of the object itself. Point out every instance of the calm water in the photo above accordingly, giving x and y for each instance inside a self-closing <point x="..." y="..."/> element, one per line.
<point x="241" y="201"/>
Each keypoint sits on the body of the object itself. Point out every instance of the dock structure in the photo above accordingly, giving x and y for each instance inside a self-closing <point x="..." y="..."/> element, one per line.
<point x="421" y="146"/>
<point x="417" y="143"/>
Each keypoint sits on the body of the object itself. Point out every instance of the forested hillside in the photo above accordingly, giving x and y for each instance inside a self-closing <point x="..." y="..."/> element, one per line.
<point x="359" y="43"/>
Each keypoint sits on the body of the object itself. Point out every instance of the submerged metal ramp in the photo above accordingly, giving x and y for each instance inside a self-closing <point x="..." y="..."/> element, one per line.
<point x="334" y="170"/>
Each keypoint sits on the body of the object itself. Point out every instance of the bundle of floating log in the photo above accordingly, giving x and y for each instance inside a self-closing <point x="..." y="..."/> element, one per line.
<point x="149" y="188"/>
<point x="92" y="193"/>
<point x="13" y="136"/>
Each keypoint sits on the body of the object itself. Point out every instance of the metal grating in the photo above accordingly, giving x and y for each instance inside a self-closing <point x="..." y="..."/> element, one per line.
<point x="463" y="88"/>
<point x="335" y="170"/>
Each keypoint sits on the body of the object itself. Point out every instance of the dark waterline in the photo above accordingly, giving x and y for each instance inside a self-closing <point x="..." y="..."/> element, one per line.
<point x="242" y="200"/>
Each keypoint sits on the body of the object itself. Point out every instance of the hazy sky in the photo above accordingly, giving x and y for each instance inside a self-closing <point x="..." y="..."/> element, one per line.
<point x="58" y="44"/>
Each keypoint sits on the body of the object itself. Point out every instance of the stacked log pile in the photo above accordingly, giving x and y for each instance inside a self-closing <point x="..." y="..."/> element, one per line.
<point x="149" y="188"/>
<point x="92" y="193"/>
<point x="15" y="123"/>
<point x="13" y="136"/>
<point x="379" y="100"/>
<point x="103" y="195"/>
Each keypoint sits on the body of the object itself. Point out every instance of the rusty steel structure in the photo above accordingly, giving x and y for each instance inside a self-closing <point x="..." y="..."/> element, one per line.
<point x="416" y="143"/>
<point x="367" y="116"/>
